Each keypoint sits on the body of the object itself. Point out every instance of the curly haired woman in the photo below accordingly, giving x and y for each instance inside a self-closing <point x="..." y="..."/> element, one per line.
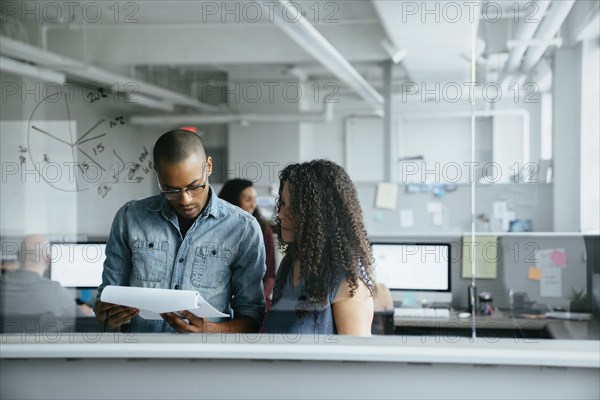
<point x="323" y="284"/>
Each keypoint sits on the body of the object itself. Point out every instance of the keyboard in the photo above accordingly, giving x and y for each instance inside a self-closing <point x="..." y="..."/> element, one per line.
<point x="440" y="313"/>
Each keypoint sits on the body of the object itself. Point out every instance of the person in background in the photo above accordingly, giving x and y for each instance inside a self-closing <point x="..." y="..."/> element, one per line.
<point x="26" y="292"/>
<point x="186" y="238"/>
<point x="382" y="297"/>
<point x="324" y="284"/>
<point x="8" y="265"/>
<point x="241" y="193"/>
<point x="383" y="318"/>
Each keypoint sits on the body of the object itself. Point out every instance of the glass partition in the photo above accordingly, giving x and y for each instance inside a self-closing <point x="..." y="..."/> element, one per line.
<point x="468" y="129"/>
<point x="534" y="265"/>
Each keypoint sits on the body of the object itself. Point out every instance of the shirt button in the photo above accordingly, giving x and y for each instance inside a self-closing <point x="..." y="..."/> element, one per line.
<point x="214" y="252"/>
<point x="181" y="260"/>
<point x="177" y="287"/>
<point x="150" y="245"/>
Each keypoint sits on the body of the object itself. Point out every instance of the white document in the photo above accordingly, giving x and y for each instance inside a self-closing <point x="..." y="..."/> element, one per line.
<point x="509" y="215"/>
<point x="407" y="218"/>
<point x="437" y="219"/>
<point x="544" y="258"/>
<point x="152" y="302"/>
<point x="551" y="282"/>
<point x="434" y="207"/>
<point x="500" y="208"/>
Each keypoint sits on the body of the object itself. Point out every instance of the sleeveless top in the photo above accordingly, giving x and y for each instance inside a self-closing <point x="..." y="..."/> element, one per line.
<point x="288" y="317"/>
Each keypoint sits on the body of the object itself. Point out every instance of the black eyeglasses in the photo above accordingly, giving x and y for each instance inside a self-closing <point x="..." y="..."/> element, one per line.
<point x="176" y="193"/>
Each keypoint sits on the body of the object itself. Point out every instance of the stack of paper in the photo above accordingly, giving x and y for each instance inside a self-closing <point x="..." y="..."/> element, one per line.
<point x="153" y="302"/>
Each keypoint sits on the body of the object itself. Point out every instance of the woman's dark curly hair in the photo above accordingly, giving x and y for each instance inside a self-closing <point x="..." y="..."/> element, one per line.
<point x="329" y="234"/>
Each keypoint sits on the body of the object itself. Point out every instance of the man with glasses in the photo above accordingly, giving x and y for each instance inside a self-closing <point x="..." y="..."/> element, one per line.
<point x="186" y="238"/>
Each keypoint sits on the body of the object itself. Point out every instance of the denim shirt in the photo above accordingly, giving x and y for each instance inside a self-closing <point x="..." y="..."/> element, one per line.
<point x="222" y="256"/>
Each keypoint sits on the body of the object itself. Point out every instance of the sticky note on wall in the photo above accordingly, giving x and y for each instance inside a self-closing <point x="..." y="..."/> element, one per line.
<point x="559" y="257"/>
<point x="534" y="273"/>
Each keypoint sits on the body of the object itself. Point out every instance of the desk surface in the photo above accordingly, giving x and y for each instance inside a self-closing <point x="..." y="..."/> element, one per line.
<point x="557" y="329"/>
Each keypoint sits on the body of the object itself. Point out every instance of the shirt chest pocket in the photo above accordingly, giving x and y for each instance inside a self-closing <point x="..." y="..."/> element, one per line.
<point x="149" y="261"/>
<point x="211" y="266"/>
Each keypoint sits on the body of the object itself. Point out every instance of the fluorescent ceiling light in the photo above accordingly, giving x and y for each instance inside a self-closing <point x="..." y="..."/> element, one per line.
<point x="22" y="69"/>
<point x="245" y="119"/>
<point x="311" y="40"/>
<point x="510" y="44"/>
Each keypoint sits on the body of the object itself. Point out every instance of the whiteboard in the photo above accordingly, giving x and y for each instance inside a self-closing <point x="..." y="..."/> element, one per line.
<point x="54" y="197"/>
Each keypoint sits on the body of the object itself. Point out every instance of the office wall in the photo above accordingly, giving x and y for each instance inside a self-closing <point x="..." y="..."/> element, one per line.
<point x="439" y="132"/>
<point x="259" y="151"/>
<point x="508" y="146"/>
<point x="429" y="129"/>
<point x="529" y="201"/>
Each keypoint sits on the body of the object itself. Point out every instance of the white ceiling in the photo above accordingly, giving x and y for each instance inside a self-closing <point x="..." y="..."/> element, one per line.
<point x="194" y="35"/>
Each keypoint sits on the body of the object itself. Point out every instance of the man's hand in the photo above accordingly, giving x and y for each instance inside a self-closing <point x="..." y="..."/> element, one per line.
<point x="118" y="315"/>
<point x="202" y="325"/>
<point x="195" y="324"/>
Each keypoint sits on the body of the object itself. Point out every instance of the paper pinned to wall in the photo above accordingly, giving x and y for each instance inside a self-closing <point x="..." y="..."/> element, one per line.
<point x="434" y="207"/>
<point x="551" y="282"/>
<point x="509" y="215"/>
<point x="387" y="195"/>
<point x="500" y="208"/>
<point x="437" y="212"/>
<point x="437" y="219"/>
<point x="485" y="250"/>
<point x="407" y="218"/>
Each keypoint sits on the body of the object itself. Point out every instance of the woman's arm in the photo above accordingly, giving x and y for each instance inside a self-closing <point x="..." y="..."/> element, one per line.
<point x="353" y="315"/>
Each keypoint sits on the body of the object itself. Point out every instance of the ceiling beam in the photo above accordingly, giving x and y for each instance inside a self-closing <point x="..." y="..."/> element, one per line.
<point x="301" y="31"/>
<point x="78" y="70"/>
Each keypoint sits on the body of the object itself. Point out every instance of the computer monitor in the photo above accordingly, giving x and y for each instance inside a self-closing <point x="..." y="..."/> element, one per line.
<point x="77" y="265"/>
<point x="415" y="273"/>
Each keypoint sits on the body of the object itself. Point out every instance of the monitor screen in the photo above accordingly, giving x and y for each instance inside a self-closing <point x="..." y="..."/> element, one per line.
<point x="77" y="265"/>
<point x="420" y="268"/>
